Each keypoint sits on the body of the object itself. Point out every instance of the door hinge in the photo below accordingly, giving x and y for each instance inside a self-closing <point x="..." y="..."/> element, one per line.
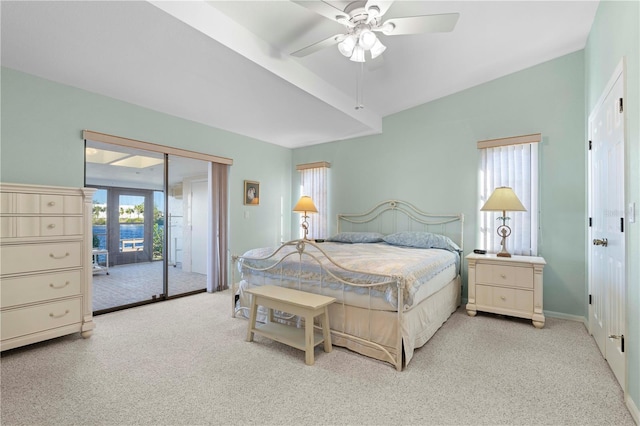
<point x="621" y="337"/>
<point x="590" y="299"/>
<point x="590" y="222"/>
<point x="622" y="224"/>
<point x="621" y="105"/>
<point x="590" y="145"/>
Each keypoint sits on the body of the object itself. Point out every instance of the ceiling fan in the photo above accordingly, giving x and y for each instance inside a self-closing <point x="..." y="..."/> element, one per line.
<point x="363" y="19"/>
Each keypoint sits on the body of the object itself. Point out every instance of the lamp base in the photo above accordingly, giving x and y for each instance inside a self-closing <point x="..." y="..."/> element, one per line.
<point x="503" y="254"/>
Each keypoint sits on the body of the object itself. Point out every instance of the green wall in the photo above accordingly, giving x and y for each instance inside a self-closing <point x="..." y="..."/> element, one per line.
<point x="428" y="155"/>
<point x="615" y="35"/>
<point x="42" y="143"/>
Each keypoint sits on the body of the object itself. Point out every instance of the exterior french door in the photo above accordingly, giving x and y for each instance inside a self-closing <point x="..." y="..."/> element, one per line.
<point x="130" y="225"/>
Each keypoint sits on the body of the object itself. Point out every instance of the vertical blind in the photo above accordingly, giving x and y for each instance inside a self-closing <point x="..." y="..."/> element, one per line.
<point x="511" y="162"/>
<point x="313" y="182"/>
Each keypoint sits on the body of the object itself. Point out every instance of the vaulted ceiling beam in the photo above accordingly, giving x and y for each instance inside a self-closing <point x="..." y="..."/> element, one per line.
<point x="213" y="23"/>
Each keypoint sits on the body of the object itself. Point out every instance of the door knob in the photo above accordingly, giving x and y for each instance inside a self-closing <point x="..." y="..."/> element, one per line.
<point x="603" y="242"/>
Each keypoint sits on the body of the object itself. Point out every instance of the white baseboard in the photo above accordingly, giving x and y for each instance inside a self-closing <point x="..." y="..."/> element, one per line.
<point x="633" y="409"/>
<point x="550" y="314"/>
<point x="561" y="315"/>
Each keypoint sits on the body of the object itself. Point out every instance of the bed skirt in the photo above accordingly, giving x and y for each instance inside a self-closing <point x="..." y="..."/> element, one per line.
<point x="419" y="324"/>
<point x="374" y="332"/>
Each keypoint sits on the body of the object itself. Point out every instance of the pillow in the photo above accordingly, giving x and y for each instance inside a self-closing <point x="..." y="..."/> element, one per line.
<point x="357" y="237"/>
<point x="421" y="239"/>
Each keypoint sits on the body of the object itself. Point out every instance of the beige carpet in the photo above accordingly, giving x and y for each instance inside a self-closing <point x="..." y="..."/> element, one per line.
<point x="186" y="362"/>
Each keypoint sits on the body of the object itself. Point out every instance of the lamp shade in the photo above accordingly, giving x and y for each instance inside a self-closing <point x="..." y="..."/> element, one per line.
<point x="305" y="205"/>
<point x="503" y="199"/>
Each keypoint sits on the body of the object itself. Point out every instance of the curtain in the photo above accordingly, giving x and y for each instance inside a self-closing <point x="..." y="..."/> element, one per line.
<point x="314" y="184"/>
<point x="515" y="166"/>
<point x="217" y="268"/>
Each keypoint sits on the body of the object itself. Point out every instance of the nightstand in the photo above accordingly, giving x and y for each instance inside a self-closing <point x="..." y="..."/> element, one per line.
<point x="506" y="285"/>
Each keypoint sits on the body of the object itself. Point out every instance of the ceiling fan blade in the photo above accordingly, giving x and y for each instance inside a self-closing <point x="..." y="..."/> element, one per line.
<point x="324" y="9"/>
<point x="421" y="24"/>
<point x="333" y="40"/>
<point x="382" y="5"/>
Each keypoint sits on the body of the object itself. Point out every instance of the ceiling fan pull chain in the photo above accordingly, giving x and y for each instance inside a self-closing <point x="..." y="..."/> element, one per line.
<point x="360" y="86"/>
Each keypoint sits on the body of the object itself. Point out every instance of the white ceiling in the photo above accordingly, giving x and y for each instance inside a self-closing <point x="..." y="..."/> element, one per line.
<point x="227" y="64"/>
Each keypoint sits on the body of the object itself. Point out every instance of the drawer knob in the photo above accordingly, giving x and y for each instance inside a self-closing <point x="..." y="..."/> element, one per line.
<point x="53" y="256"/>
<point x="51" y="225"/>
<point x="52" y="315"/>
<point x="51" y="203"/>
<point x="59" y="286"/>
<point x="503" y="276"/>
<point x="503" y="298"/>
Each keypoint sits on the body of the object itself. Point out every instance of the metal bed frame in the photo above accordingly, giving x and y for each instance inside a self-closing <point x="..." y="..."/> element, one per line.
<point x="386" y="217"/>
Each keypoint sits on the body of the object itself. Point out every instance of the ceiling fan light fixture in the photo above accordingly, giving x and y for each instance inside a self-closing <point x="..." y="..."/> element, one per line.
<point x="367" y="39"/>
<point x="377" y="49"/>
<point x="347" y="45"/>
<point x="358" y="54"/>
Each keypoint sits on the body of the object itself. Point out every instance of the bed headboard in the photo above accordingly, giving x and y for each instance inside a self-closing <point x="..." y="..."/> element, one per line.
<point x="392" y="216"/>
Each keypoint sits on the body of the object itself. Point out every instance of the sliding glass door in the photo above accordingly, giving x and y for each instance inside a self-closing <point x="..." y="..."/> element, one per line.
<point x="150" y="215"/>
<point x="187" y="230"/>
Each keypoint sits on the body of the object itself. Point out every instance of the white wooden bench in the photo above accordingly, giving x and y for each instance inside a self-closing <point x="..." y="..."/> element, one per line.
<point x="303" y="304"/>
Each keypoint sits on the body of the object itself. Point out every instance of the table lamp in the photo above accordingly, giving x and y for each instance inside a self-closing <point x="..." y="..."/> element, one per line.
<point x="305" y="205"/>
<point x="503" y="199"/>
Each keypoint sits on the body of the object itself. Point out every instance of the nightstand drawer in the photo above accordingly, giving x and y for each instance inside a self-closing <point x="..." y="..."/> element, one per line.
<point x="504" y="298"/>
<point x="512" y="276"/>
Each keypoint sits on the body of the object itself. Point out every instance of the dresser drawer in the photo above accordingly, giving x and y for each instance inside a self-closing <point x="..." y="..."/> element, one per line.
<point x="32" y="319"/>
<point x="41" y="287"/>
<point x="40" y="226"/>
<point x="504" y="298"/>
<point x="513" y="276"/>
<point x="40" y="257"/>
<point x="27" y="203"/>
<point x="52" y="226"/>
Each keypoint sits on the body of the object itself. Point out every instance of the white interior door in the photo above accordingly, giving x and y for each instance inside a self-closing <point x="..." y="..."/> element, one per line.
<point x="607" y="284"/>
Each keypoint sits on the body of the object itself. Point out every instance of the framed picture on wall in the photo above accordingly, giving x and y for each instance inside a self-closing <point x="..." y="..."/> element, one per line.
<point x="251" y="193"/>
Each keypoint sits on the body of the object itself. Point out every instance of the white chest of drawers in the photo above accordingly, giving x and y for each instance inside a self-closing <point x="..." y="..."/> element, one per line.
<point x="506" y="285"/>
<point x="45" y="263"/>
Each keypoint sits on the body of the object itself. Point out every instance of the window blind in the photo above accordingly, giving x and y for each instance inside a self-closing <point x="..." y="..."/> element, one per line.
<point x="511" y="162"/>
<point x="313" y="182"/>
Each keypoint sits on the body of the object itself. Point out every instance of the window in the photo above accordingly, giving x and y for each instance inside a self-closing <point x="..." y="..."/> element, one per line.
<point x="314" y="183"/>
<point x="510" y="162"/>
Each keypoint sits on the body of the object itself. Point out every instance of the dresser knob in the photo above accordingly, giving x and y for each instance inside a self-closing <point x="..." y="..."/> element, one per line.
<point x="51" y="225"/>
<point x="503" y="276"/>
<point x="51" y="203"/>
<point x="503" y="298"/>
<point x="52" y="315"/>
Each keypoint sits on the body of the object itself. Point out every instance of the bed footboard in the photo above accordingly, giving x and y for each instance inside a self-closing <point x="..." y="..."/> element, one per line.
<point x="304" y="265"/>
